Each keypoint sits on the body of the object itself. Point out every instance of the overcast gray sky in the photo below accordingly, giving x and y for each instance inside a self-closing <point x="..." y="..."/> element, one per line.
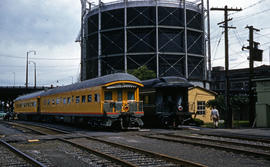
<point x="51" y="26"/>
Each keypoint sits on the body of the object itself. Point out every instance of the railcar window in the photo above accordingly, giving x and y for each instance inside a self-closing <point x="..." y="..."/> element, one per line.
<point x="201" y="107"/>
<point x="68" y="100"/>
<point x="96" y="97"/>
<point x="35" y="104"/>
<point x="179" y="101"/>
<point x="131" y="95"/>
<point x="119" y="95"/>
<point x="57" y="101"/>
<point x="83" y="99"/>
<point x="77" y="99"/>
<point x="89" y="98"/>
<point x="52" y="101"/>
<point x="108" y="95"/>
<point x="64" y="100"/>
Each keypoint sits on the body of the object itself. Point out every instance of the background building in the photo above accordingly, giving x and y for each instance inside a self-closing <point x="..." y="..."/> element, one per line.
<point x="197" y="99"/>
<point x="166" y="36"/>
<point x="238" y="79"/>
<point x="263" y="102"/>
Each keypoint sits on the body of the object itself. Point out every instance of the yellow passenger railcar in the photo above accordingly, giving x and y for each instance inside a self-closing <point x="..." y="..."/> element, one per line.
<point x="111" y="100"/>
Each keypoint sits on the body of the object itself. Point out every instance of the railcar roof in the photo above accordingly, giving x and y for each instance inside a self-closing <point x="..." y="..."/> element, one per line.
<point x="169" y="81"/>
<point x="30" y="95"/>
<point x="84" y="84"/>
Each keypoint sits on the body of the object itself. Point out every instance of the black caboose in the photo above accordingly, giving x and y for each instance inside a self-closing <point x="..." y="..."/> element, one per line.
<point x="165" y="101"/>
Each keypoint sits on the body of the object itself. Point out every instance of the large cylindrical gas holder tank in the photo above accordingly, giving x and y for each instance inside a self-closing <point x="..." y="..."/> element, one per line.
<point x="166" y="36"/>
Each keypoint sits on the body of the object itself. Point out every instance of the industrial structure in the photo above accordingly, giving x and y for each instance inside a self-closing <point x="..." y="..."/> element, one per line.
<point x="167" y="36"/>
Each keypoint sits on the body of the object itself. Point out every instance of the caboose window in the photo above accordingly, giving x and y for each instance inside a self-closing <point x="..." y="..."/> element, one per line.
<point x="108" y="95"/>
<point x="52" y="101"/>
<point x="119" y="95"/>
<point x="131" y="95"/>
<point x="77" y="99"/>
<point x="201" y="107"/>
<point x="48" y="102"/>
<point x="64" y="100"/>
<point x="83" y="99"/>
<point x="89" y="98"/>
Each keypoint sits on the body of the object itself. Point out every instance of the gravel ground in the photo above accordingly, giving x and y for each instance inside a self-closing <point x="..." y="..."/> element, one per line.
<point x="8" y="132"/>
<point x="206" y="156"/>
<point x="5" y="130"/>
<point x="8" y="158"/>
<point x="56" y="153"/>
<point x="60" y="154"/>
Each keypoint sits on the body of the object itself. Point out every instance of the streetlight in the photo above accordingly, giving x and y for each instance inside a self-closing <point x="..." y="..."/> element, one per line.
<point x="72" y="79"/>
<point x="26" y="82"/>
<point x="35" y="74"/>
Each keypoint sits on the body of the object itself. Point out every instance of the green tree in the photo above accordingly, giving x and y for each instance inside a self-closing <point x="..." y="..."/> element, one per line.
<point x="143" y="73"/>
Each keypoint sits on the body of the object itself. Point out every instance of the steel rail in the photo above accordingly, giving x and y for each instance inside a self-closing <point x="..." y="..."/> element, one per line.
<point x="39" y="128"/>
<point x="22" y="155"/>
<point x="248" y="138"/>
<point x="150" y="153"/>
<point x="98" y="153"/>
<point x="226" y="148"/>
<point x="216" y="140"/>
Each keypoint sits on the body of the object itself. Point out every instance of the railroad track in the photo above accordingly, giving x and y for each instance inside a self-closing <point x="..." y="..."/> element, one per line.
<point x="39" y="128"/>
<point x="231" y="146"/>
<point x="238" y="137"/>
<point x="129" y="156"/>
<point x="114" y="154"/>
<point x="11" y="156"/>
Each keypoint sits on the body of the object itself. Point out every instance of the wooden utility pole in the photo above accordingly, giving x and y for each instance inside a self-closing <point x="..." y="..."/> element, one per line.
<point x="227" y="81"/>
<point x="251" y="71"/>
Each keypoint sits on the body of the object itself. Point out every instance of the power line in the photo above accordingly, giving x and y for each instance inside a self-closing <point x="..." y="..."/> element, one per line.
<point x="240" y="18"/>
<point x="215" y="49"/>
<point x="250" y="6"/>
<point x="39" y="67"/>
<point x="239" y="64"/>
<point x="265" y="43"/>
<point x="263" y="35"/>
<point x="54" y="59"/>
<point x="264" y="28"/>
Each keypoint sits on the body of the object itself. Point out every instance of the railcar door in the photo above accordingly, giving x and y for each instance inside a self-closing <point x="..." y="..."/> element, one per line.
<point x="128" y="100"/>
<point x="170" y="100"/>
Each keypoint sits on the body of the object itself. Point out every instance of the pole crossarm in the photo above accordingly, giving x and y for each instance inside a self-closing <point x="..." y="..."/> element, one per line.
<point x="228" y="9"/>
<point x="228" y="27"/>
<point x="230" y="19"/>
